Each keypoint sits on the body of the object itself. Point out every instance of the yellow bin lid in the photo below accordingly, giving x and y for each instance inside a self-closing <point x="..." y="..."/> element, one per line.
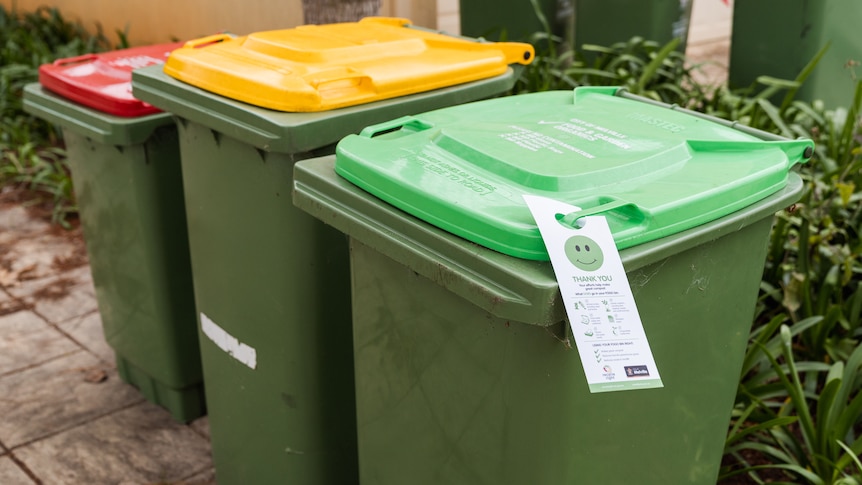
<point x="322" y="67"/>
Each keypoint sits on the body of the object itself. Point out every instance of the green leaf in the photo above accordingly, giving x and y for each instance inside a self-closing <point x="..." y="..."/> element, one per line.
<point x="851" y="455"/>
<point x="794" y="388"/>
<point x="826" y="416"/>
<point x="845" y="191"/>
<point x="773" y="114"/>
<point x="772" y="423"/>
<point x="777" y="82"/>
<point x="803" y="75"/>
<point x="650" y="69"/>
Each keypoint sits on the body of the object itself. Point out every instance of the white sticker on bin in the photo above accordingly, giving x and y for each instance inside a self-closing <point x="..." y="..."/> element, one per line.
<point x="605" y="322"/>
<point x="227" y="342"/>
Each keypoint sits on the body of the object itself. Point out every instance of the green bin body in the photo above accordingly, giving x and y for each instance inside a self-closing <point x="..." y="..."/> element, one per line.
<point x="518" y="20"/>
<point x="601" y="22"/>
<point x="779" y="38"/>
<point x="464" y="375"/>
<point x="605" y="22"/>
<point x="127" y="182"/>
<point x="465" y="367"/>
<point x="271" y="282"/>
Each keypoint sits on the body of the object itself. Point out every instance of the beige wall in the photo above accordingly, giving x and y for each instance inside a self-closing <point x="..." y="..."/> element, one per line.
<point x="157" y="21"/>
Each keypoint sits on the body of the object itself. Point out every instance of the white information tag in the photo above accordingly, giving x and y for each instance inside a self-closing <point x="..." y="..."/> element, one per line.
<point x="608" y="331"/>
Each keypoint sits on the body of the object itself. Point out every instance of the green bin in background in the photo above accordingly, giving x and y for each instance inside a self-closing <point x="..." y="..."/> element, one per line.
<point x="779" y="38"/>
<point x="465" y="366"/>
<point x="124" y="159"/>
<point x="601" y="22"/>
<point x="272" y="283"/>
<point x="518" y="20"/>
<point x="606" y="22"/>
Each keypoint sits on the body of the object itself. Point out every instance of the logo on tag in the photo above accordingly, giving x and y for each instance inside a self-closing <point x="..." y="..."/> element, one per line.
<point x="637" y="371"/>
<point x="584" y="253"/>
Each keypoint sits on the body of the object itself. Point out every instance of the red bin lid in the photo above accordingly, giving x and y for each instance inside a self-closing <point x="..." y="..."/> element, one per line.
<point x="104" y="81"/>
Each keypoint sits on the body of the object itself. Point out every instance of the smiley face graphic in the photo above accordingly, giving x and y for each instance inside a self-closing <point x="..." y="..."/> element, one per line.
<point x="584" y="253"/>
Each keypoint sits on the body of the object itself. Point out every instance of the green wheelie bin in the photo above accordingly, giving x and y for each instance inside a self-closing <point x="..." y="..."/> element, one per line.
<point x="779" y="38"/>
<point x="465" y="366"/>
<point x="271" y="283"/>
<point x="601" y="22"/>
<point x="124" y="158"/>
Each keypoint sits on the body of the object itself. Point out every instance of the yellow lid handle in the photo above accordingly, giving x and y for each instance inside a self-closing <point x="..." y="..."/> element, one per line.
<point x="333" y="75"/>
<point x="393" y="21"/>
<point x="515" y="52"/>
<point x="204" y="41"/>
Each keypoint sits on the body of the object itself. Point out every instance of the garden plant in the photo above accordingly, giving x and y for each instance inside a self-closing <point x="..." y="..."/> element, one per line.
<point x="798" y="412"/>
<point x="32" y="157"/>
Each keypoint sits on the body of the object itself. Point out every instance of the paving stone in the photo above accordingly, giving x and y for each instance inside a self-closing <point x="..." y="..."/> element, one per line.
<point x="58" y="395"/>
<point x="140" y="444"/>
<point x="26" y="340"/>
<point x="8" y="304"/>
<point x="712" y="60"/>
<point x="711" y="20"/>
<point x="206" y="477"/>
<point x="84" y="277"/>
<point x="201" y="426"/>
<point x="58" y="298"/>
<point x="16" y="222"/>
<point x="87" y="330"/>
<point x="12" y="474"/>
<point x="40" y="254"/>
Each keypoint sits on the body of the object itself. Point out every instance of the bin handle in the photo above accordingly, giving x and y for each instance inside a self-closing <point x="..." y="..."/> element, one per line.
<point x="405" y="122"/>
<point x="571" y="219"/>
<point x="205" y="41"/>
<point x="736" y="125"/>
<point x="513" y="52"/>
<point x="391" y="21"/>
<point x="319" y="78"/>
<point x="76" y="59"/>
<point x="796" y="151"/>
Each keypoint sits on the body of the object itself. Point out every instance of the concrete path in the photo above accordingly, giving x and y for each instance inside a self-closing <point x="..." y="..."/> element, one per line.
<point x="708" y="43"/>
<point x="65" y="415"/>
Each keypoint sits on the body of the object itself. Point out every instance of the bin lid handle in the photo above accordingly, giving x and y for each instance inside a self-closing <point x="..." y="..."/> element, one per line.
<point x="571" y="219"/>
<point x="796" y="151"/>
<point x="205" y="41"/>
<point x="513" y="52"/>
<point x="76" y="59"/>
<point x="319" y="79"/>
<point x="408" y="123"/>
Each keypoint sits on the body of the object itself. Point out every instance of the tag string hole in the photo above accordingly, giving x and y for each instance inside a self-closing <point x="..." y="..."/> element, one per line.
<point x="565" y="221"/>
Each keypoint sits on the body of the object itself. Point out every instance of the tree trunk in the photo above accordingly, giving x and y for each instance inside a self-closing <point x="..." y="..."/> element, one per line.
<point x="333" y="11"/>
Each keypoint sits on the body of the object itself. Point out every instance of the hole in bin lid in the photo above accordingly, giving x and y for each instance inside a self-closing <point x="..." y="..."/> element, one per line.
<point x="652" y="169"/>
<point x="103" y="81"/>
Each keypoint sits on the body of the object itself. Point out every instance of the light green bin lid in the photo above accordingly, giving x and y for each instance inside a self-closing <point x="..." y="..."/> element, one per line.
<point x="651" y="169"/>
